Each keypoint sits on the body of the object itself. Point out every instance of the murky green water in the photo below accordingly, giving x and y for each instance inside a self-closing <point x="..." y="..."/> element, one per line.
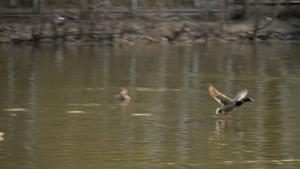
<point x="57" y="106"/>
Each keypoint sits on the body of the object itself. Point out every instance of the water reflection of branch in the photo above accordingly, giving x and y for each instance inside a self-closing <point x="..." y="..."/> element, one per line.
<point x="11" y="79"/>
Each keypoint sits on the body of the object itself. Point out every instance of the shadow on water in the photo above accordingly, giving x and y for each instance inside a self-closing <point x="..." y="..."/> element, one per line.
<point x="57" y="102"/>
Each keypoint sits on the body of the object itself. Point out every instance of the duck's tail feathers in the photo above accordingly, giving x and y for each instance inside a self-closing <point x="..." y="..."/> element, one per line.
<point x="218" y="112"/>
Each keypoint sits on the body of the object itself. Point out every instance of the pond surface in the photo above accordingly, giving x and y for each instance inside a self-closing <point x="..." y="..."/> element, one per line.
<point x="57" y="106"/>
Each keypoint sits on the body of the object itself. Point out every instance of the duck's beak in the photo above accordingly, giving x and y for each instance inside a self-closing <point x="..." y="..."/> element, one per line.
<point x="252" y="100"/>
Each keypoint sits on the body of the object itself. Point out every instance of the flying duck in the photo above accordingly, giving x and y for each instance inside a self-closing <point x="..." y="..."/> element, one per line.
<point x="227" y="103"/>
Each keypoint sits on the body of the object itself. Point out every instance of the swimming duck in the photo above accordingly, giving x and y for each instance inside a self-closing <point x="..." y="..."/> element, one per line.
<point x="123" y="95"/>
<point x="227" y="103"/>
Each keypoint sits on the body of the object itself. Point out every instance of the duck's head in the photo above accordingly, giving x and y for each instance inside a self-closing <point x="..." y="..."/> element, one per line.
<point x="247" y="99"/>
<point x="124" y="91"/>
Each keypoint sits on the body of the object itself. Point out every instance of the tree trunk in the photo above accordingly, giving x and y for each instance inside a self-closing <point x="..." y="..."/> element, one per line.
<point x="134" y="6"/>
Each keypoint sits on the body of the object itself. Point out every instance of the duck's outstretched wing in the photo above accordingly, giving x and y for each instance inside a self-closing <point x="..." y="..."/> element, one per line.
<point x="218" y="96"/>
<point x="241" y="95"/>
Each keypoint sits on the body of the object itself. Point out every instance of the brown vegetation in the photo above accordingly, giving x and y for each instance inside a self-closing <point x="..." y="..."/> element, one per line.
<point x="93" y="22"/>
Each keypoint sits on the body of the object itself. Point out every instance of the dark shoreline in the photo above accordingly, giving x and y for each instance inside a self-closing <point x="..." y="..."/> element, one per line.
<point x="144" y="29"/>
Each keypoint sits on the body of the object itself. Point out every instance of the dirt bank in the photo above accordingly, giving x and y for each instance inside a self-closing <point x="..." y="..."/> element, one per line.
<point x="149" y="29"/>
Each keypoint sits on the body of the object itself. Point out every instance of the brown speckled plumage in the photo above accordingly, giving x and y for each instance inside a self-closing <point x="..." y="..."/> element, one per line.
<point x="123" y="95"/>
